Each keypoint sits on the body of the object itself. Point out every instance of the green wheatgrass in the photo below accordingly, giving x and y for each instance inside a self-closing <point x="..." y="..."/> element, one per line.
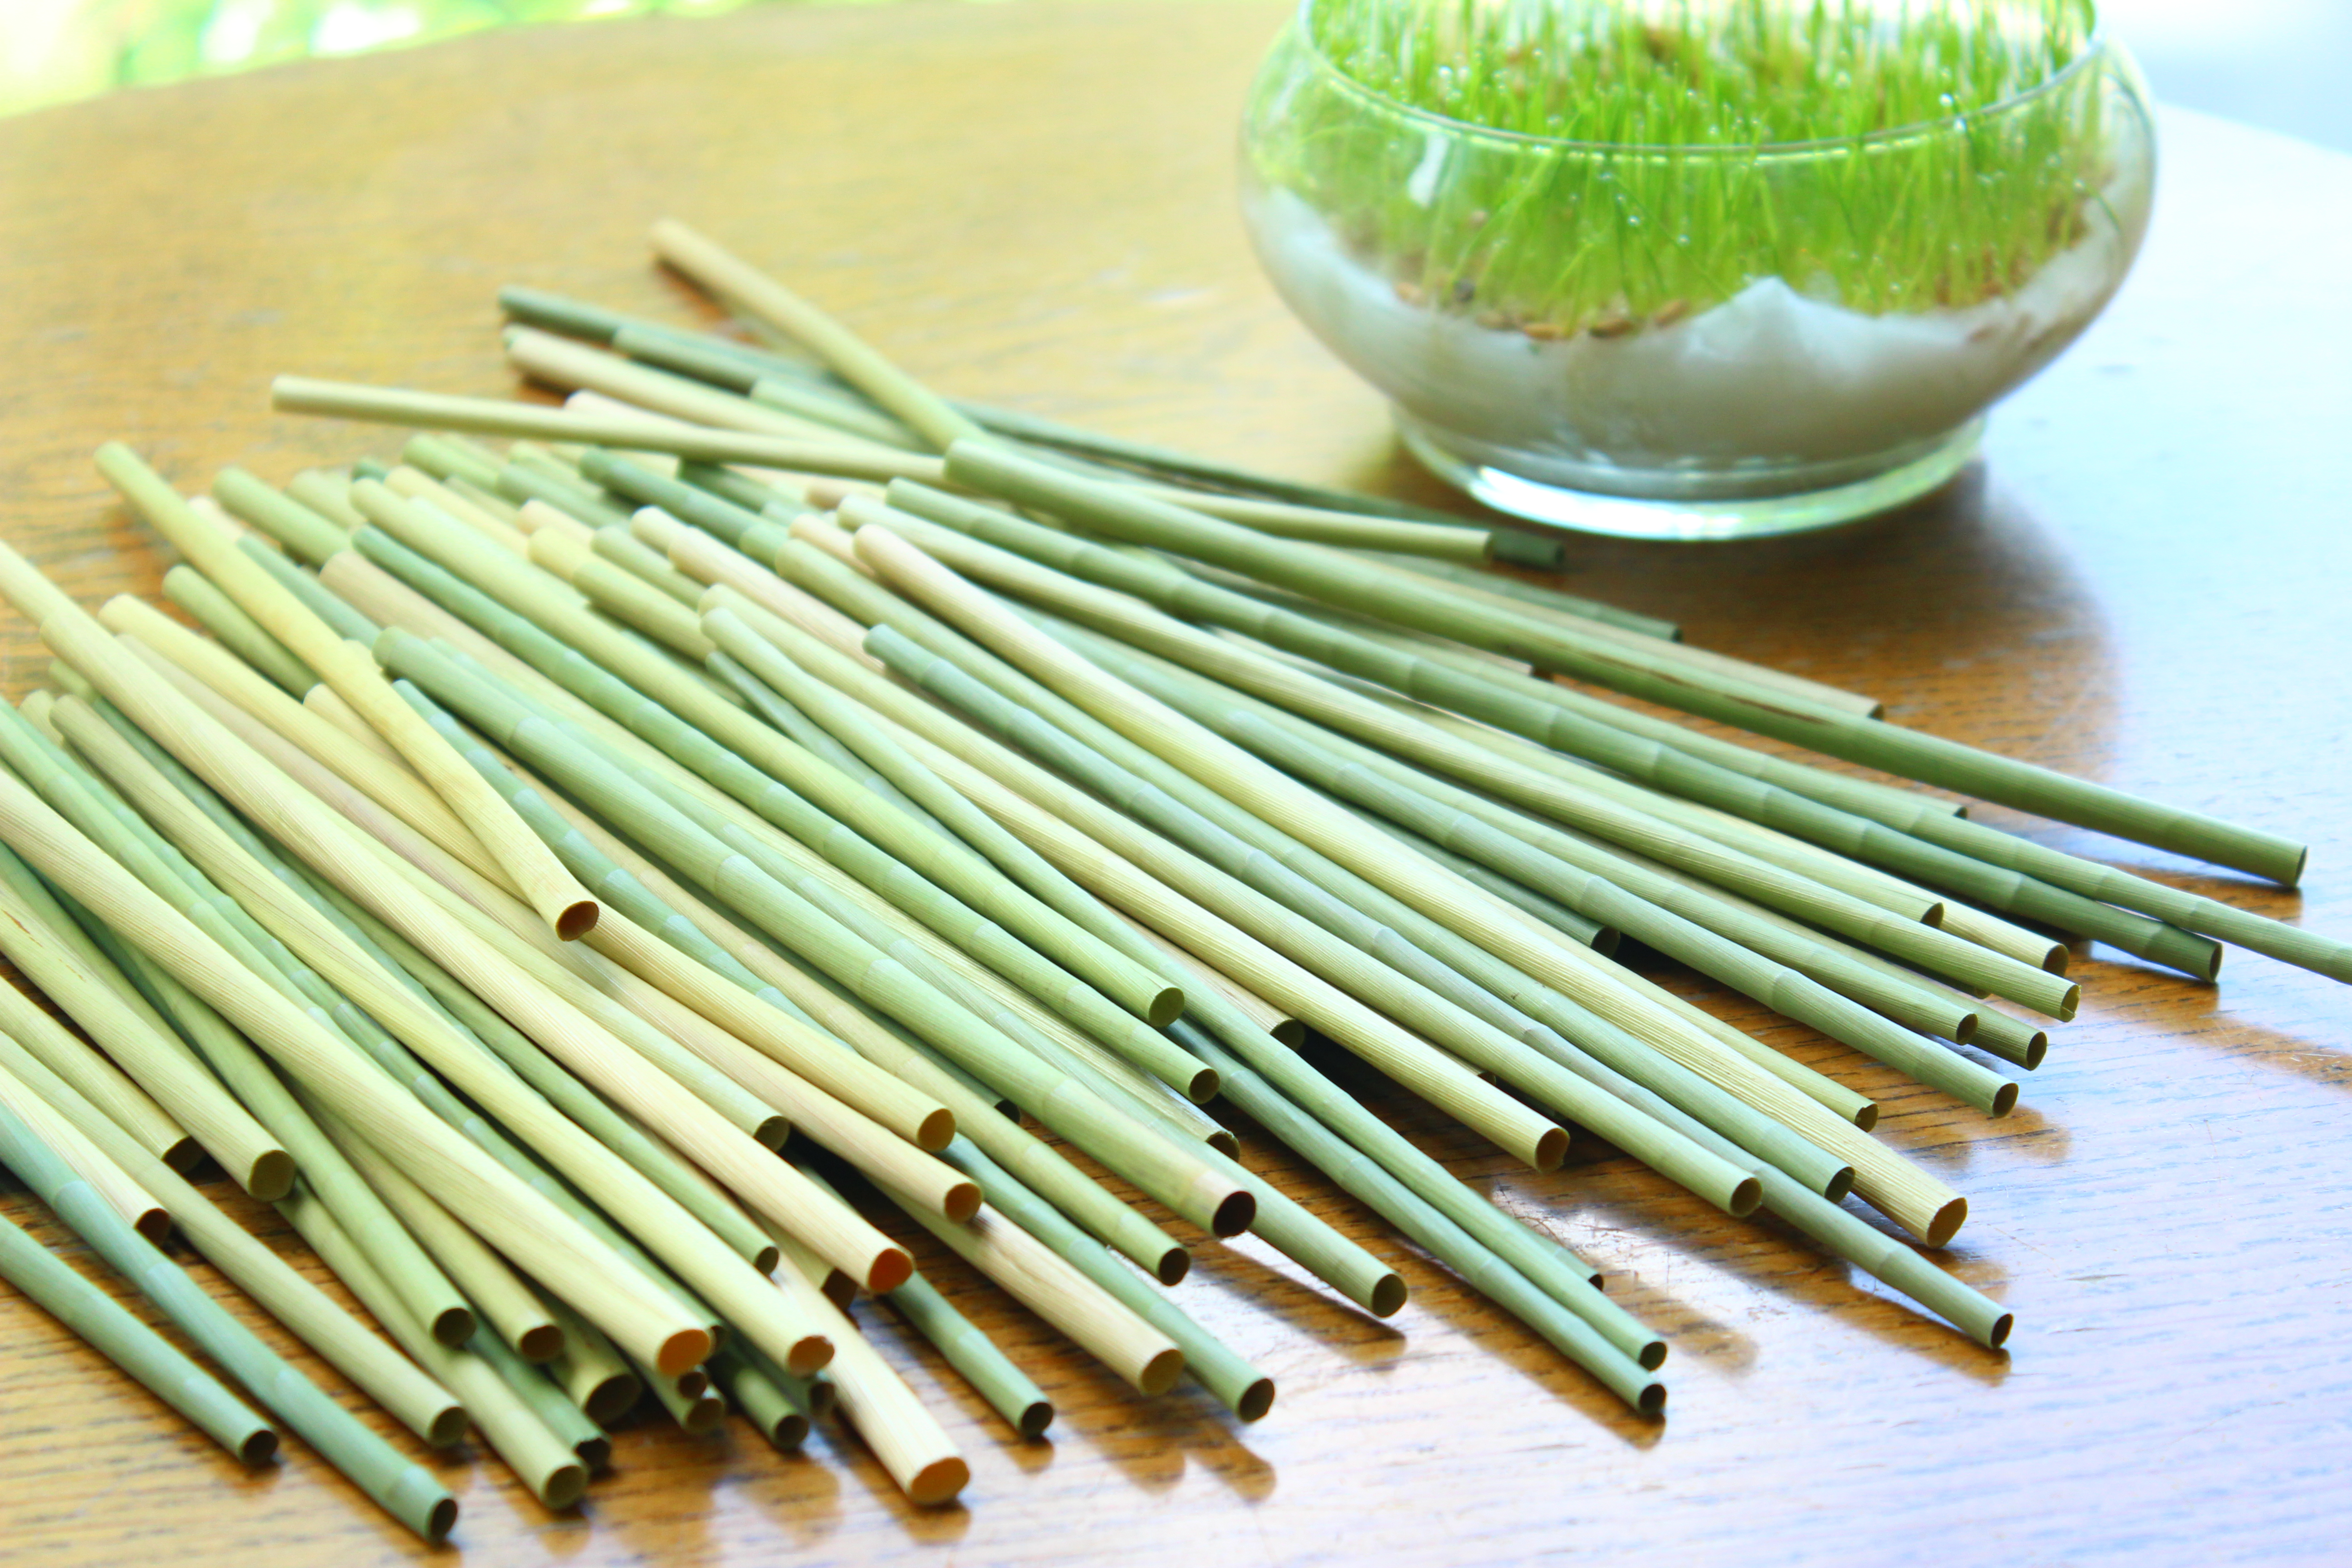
<point x="1616" y="165"/>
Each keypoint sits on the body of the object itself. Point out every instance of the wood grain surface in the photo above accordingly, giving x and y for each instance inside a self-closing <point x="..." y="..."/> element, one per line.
<point x="2145" y="581"/>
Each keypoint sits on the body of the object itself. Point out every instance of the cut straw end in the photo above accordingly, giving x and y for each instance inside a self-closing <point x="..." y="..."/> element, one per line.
<point x="564" y="1485"/>
<point x="684" y="1350"/>
<point x="184" y="1155"/>
<point x="610" y="1399"/>
<point x="1203" y="1087"/>
<point x="449" y="1425"/>
<point x="260" y="1446"/>
<point x="933" y="1134"/>
<point x="1165" y="1007"/>
<point x="541" y="1342"/>
<point x="1750" y="1192"/>
<point x="962" y="1202"/>
<point x="1173" y="1266"/>
<point x="1389" y="1294"/>
<point x="1652" y="1400"/>
<point x="892" y="1268"/>
<point x="1159" y="1374"/>
<point x="1255" y="1400"/>
<point x="1947" y="1221"/>
<point x="1552" y="1148"/>
<point x="1035" y="1417"/>
<point x="811" y="1354"/>
<point x="939" y="1482"/>
<point x="270" y="1177"/>
<point x="1651" y="1356"/>
<point x="1839" y="1186"/>
<point x="1234" y="1214"/>
<point x="577" y="919"/>
<point x="453" y="1326"/>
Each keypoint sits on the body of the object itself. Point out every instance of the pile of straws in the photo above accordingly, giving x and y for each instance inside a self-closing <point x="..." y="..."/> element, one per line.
<point x="759" y="745"/>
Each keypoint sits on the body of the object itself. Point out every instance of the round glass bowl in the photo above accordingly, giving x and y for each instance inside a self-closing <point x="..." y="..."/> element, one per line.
<point x="1695" y="268"/>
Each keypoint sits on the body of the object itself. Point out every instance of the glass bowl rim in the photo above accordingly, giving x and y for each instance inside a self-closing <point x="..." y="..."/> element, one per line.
<point x="2098" y="47"/>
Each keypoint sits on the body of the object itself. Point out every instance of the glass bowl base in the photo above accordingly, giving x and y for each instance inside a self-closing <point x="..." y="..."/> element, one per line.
<point x="1671" y="518"/>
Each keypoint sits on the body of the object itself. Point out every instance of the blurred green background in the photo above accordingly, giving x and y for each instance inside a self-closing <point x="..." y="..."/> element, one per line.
<point x="2283" y="64"/>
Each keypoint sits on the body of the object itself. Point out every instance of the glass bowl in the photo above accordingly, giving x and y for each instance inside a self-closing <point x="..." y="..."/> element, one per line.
<point x="1615" y="274"/>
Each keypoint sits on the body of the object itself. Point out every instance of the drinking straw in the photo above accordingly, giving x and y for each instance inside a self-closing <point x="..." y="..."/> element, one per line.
<point x="1472" y="589"/>
<point x="1359" y="586"/>
<point x="405" y="1488"/>
<point x="536" y="1387"/>
<point x="1928" y="1207"/>
<point x="1551" y="912"/>
<point x="115" y="1187"/>
<point x="787" y="915"/>
<point x="904" y="1437"/>
<point x="765" y="1400"/>
<point x="528" y="1229"/>
<point x="688" y="1400"/>
<point x="543" y="1461"/>
<point x="990" y="1372"/>
<point x="1260" y="1011"/>
<point x="386" y="1376"/>
<point x="305" y="587"/>
<point x="217" y="614"/>
<point x="892" y="707"/>
<point x="415" y="484"/>
<point x="323" y="492"/>
<point x="619" y="593"/>
<point x="495" y="417"/>
<point x="621" y="547"/>
<point x="142" y="1046"/>
<point x="749" y="760"/>
<point x="1623" y="1374"/>
<point x="1570" y="799"/>
<point x="1756" y="957"/>
<point x="101" y="1322"/>
<point x="550" y="889"/>
<point x="70" y="1058"/>
<point x="498" y="1295"/>
<point x="401" y="790"/>
<point x="1398" y="995"/>
<point x="593" y="1374"/>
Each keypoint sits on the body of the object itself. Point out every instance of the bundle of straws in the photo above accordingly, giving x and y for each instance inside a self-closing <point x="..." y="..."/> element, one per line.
<point x="559" y="866"/>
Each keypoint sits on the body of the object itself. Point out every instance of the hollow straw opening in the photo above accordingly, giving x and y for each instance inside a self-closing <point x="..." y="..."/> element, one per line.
<point x="1652" y="1400"/>
<point x="811" y="1354"/>
<point x="453" y="1326"/>
<point x="938" y="1481"/>
<point x="260" y="1446"/>
<point x="1551" y="1149"/>
<point x="1949" y="1219"/>
<point x="1840" y="1186"/>
<point x="771" y="1132"/>
<point x="1225" y="1142"/>
<point x="577" y="919"/>
<point x="448" y="1425"/>
<point x="1388" y="1295"/>
<point x="1290" y="1032"/>
<point x="962" y="1202"/>
<point x="1035" y="1417"/>
<point x="791" y="1430"/>
<point x="1166" y="1006"/>
<point x="1173" y="1265"/>
<point x="686" y="1349"/>
<point x="891" y="1268"/>
<point x="1998" y="1335"/>
<point x="1968" y="1028"/>
<point x="610" y="1400"/>
<point x="1866" y="1117"/>
<point x="2056" y="960"/>
<point x="440" y="1520"/>
<point x="2069" y="1004"/>
<point x="596" y="1452"/>
<point x="1234" y="1214"/>
<point x="1653" y="1355"/>
<point x="933" y="1134"/>
<point x="1160" y="1372"/>
<point x="1255" y="1400"/>
<point x="271" y="1177"/>
<point x="1203" y="1086"/>
<point x="1606" y="940"/>
<point x="184" y="1156"/>
<point x="693" y="1382"/>
<point x="154" y="1225"/>
<point x="767" y="1257"/>
<point x="563" y="1485"/>
<point x="542" y="1341"/>
<point x="1750" y="1192"/>
<point x="704" y="1415"/>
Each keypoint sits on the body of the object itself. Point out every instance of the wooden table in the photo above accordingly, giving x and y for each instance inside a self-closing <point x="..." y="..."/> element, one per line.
<point x="2146" y="582"/>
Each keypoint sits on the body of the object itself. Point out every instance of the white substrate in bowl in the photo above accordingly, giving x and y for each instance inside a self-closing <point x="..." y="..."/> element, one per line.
<point x="1771" y="381"/>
